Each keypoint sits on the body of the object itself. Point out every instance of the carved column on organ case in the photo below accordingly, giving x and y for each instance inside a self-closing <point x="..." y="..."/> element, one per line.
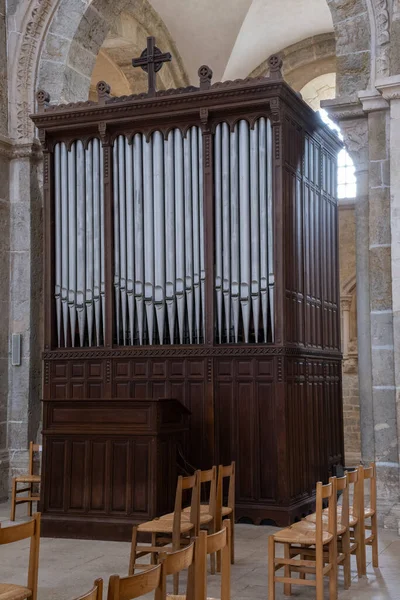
<point x="108" y="235"/>
<point x="208" y="191"/>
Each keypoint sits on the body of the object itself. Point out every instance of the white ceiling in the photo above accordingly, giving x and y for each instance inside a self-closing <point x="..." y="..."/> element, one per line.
<point x="271" y="26"/>
<point x="234" y="36"/>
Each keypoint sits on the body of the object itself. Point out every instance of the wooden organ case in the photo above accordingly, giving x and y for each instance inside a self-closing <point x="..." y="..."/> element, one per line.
<point x="191" y="253"/>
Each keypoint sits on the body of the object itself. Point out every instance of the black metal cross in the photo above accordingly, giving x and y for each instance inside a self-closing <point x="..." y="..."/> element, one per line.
<point x="151" y="60"/>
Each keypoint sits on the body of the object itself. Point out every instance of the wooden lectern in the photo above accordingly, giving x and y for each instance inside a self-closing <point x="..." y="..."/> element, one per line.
<point x="109" y="464"/>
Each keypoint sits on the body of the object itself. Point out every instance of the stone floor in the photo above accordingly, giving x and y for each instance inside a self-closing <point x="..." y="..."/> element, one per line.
<point x="68" y="567"/>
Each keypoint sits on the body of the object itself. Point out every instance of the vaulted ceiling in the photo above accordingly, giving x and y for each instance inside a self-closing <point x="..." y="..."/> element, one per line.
<point x="231" y="36"/>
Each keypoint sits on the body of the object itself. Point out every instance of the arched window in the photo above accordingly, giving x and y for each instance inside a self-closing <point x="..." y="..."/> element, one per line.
<point x="322" y="88"/>
<point x="347" y="183"/>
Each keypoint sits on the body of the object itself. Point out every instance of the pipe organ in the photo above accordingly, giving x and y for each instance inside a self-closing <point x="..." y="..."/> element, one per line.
<point x="190" y="256"/>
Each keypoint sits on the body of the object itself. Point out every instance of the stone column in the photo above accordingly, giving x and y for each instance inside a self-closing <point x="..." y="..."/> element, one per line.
<point x="25" y="302"/>
<point x="367" y="140"/>
<point x="390" y="90"/>
<point x="5" y="153"/>
<point x="345" y="305"/>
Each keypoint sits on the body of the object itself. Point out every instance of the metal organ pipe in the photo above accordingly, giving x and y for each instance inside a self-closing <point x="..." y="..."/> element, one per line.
<point x="244" y="198"/>
<point x="72" y="226"/>
<point x="244" y="232"/>
<point x="159" y="233"/>
<point x="97" y="183"/>
<point x="63" y="242"/>
<point x="122" y="233"/>
<point x="226" y="237"/>
<point x="270" y="228"/>
<point x="148" y="235"/>
<point x="263" y="175"/>
<point x="130" y="241"/>
<point x="170" y="266"/>
<point x="102" y="246"/>
<point x="196" y="231"/>
<point x="202" y="255"/>
<point x="235" y="241"/>
<point x="79" y="239"/>
<point x="179" y="232"/>
<point x="255" y="228"/>
<point x="139" y="243"/>
<point x="89" y="240"/>
<point x="218" y="229"/>
<point x="58" y="249"/>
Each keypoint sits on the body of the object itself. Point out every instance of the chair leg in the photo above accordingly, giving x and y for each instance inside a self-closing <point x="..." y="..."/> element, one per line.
<point x="363" y="551"/>
<point x="357" y="538"/>
<point x="176" y="546"/>
<point x="232" y="519"/>
<point x="271" y="568"/>
<point x="333" y="573"/>
<point x="319" y="576"/>
<point x="153" y="558"/>
<point x="212" y="556"/>
<point x="347" y="561"/>
<point x="13" y="499"/>
<point x="132" y="558"/>
<point x="302" y="575"/>
<point x="374" y="531"/>
<point x="30" y="503"/>
<point x="287" y="588"/>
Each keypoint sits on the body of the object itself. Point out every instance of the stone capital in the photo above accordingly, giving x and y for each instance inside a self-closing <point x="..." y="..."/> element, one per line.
<point x="30" y="150"/>
<point x="344" y="108"/>
<point x="345" y="302"/>
<point x="389" y="87"/>
<point x="5" y="146"/>
<point x="372" y="100"/>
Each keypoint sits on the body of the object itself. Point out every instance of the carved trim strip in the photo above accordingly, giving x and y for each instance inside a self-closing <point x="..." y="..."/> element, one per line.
<point x="153" y="351"/>
<point x="26" y="67"/>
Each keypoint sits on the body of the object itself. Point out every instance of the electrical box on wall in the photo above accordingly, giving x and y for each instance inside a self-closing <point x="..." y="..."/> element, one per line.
<point x="16" y="349"/>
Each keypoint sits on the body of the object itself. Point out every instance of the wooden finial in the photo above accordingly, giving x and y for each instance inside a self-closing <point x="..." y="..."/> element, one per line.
<point x="151" y="60"/>
<point x="205" y="75"/>
<point x="43" y="99"/>
<point x="275" y="65"/>
<point x="103" y="92"/>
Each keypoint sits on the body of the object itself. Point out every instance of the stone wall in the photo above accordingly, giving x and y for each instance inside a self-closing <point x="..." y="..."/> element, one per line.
<point x="5" y="148"/>
<point x="351" y="400"/>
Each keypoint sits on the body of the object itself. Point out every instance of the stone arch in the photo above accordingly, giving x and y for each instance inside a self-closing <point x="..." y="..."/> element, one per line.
<point x="78" y="57"/>
<point x="305" y="60"/>
<point x="349" y="286"/>
<point x="54" y="30"/>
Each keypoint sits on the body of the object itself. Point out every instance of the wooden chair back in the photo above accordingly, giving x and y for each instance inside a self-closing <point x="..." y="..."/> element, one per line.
<point x="176" y="562"/>
<point x="342" y="485"/>
<point x="210" y="477"/>
<point x="210" y="544"/>
<point x="134" y="586"/>
<point x="191" y="483"/>
<point x="354" y="488"/>
<point x="32" y="449"/>
<point x="96" y="593"/>
<point x="365" y="474"/>
<point x="16" y="533"/>
<point x="223" y="473"/>
<point x="325" y="492"/>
